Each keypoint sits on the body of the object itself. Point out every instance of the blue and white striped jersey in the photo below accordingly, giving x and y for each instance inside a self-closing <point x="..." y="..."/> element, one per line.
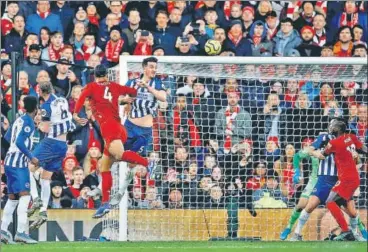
<point x="145" y="103"/>
<point x="20" y="138"/>
<point x="56" y="111"/>
<point x="327" y="167"/>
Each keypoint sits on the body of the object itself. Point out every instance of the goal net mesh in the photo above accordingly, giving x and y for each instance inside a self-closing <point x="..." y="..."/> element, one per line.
<point x="222" y="155"/>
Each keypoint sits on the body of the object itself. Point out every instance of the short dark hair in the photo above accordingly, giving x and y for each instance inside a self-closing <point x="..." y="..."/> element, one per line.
<point x="343" y="28"/>
<point x="30" y="104"/>
<point x="149" y="59"/>
<point x="358" y="46"/>
<point x="161" y="11"/>
<point x="287" y="20"/>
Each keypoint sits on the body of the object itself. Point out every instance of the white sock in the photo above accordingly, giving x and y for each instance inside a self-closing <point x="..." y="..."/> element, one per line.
<point x="8" y="213"/>
<point x="45" y="194"/>
<point x="303" y="218"/>
<point x="354" y="223"/>
<point x="34" y="191"/>
<point x="22" y="213"/>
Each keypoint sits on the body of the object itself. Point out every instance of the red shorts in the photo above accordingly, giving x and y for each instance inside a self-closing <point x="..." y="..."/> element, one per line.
<point x="346" y="188"/>
<point x="112" y="130"/>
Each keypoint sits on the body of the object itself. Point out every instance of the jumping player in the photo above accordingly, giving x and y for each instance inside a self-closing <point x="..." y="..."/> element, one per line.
<point x="344" y="147"/>
<point x="150" y="90"/>
<point x="17" y="173"/>
<point x="104" y="98"/>
<point x="56" y="122"/>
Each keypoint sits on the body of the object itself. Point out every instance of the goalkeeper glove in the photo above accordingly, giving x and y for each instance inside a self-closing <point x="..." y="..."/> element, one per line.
<point x="296" y="176"/>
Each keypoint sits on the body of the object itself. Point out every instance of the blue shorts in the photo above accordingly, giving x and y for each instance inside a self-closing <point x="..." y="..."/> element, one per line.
<point x="139" y="138"/>
<point x="17" y="179"/>
<point x="51" y="153"/>
<point x="323" y="187"/>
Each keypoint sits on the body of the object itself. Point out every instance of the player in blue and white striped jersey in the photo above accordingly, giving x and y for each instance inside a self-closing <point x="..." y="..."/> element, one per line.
<point x="150" y="91"/>
<point x="327" y="178"/>
<point x="56" y="122"/>
<point x="17" y="173"/>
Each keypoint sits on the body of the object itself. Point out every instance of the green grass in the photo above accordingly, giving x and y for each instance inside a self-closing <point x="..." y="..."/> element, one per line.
<point x="188" y="247"/>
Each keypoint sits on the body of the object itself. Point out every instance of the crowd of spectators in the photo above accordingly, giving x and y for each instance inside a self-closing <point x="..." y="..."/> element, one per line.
<point x="213" y="138"/>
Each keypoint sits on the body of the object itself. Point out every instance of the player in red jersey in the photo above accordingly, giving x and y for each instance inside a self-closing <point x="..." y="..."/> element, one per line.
<point x="344" y="147"/>
<point x="104" y="97"/>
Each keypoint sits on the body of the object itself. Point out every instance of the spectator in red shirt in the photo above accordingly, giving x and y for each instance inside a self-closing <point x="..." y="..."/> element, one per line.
<point x="69" y="163"/>
<point x="259" y="176"/>
<point x="8" y="17"/>
<point x="77" y="181"/>
<point x="115" y="46"/>
<point x="291" y="93"/>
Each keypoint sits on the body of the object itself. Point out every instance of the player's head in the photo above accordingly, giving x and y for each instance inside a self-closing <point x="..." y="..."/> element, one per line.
<point x="150" y="67"/>
<point x="46" y="87"/>
<point x="30" y="104"/>
<point x="337" y="126"/>
<point x="100" y="71"/>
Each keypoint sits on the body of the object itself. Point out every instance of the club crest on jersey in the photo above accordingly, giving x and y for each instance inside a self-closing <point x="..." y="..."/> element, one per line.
<point x="27" y="129"/>
<point x="43" y="113"/>
<point x="27" y="185"/>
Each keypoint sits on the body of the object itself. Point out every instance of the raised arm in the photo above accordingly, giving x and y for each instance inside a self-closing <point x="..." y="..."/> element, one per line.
<point x="20" y="141"/>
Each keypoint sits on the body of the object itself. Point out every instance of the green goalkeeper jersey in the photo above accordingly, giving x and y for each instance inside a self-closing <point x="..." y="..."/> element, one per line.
<point x="303" y="155"/>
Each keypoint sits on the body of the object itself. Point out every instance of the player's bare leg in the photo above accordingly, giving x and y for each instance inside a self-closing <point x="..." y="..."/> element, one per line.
<point x="312" y="204"/>
<point x="45" y="197"/>
<point x="36" y="200"/>
<point x="116" y="148"/>
<point x="334" y="202"/>
<point x="355" y="221"/>
<point x="294" y="217"/>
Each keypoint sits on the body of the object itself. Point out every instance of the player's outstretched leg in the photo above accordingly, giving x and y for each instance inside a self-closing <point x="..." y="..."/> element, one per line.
<point x="333" y="203"/>
<point x="293" y="218"/>
<point x="355" y="222"/>
<point x="45" y="197"/>
<point x="129" y="175"/>
<point x="36" y="200"/>
<point x="106" y="184"/>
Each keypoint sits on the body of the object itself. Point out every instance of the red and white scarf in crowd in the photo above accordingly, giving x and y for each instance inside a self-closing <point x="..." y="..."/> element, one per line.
<point x="271" y="33"/>
<point x="43" y="15"/>
<point x="320" y="39"/>
<point x="143" y="48"/>
<point x="256" y="40"/>
<point x="113" y="50"/>
<point x="294" y="7"/>
<point x="88" y="51"/>
<point x="53" y="53"/>
<point x="349" y="19"/>
<point x="230" y="117"/>
<point x="235" y="41"/>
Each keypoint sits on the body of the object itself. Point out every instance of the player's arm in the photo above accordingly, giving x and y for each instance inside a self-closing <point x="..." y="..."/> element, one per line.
<point x="45" y="123"/>
<point x="24" y="134"/>
<point x="328" y="150"/>
<point x="125" y="90"/>
<point x="158" y="93"/>
<point x="86" y="92"/>
<point x="360" y="147"/>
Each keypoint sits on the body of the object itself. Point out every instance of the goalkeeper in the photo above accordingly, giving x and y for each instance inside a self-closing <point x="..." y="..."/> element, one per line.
<point x="298" y="157"/>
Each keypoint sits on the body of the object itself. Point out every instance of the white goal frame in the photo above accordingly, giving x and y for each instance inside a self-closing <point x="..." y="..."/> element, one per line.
<point x="123" y="77"/>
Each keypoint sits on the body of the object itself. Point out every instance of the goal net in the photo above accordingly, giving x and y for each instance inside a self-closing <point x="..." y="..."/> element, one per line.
<point x="222" y="159"/>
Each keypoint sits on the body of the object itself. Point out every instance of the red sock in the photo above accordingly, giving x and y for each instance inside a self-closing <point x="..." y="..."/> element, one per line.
<point x="106" y="186"/>
<point x="338" y="215"/>
<point x="133" y="157"/>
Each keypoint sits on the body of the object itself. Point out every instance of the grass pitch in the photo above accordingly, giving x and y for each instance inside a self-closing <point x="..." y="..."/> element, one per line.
<point x="188" y="247"/>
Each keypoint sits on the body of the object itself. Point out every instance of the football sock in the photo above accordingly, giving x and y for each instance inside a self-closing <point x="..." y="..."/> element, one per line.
<point x="294" y="217"/>
<point x="8" y="214"/>
<point x="34" y="191"/>
<point x="303" y="218"/>
<point x="22" y="213"/>
<point x="45" y="194"/>
<point x="338" y="215"/>
<point x="354" y="223"/>
<point x="132" y="157"/>
<point x="360" y="224"/>
<point x="106" y="185"/>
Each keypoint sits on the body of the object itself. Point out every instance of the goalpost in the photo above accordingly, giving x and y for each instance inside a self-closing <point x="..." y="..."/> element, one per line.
<point x="216" y="207"/>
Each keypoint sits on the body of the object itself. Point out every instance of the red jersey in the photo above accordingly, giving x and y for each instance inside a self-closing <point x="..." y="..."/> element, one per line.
<point x="343" y="147"/>
<point x="104" y="98"/>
